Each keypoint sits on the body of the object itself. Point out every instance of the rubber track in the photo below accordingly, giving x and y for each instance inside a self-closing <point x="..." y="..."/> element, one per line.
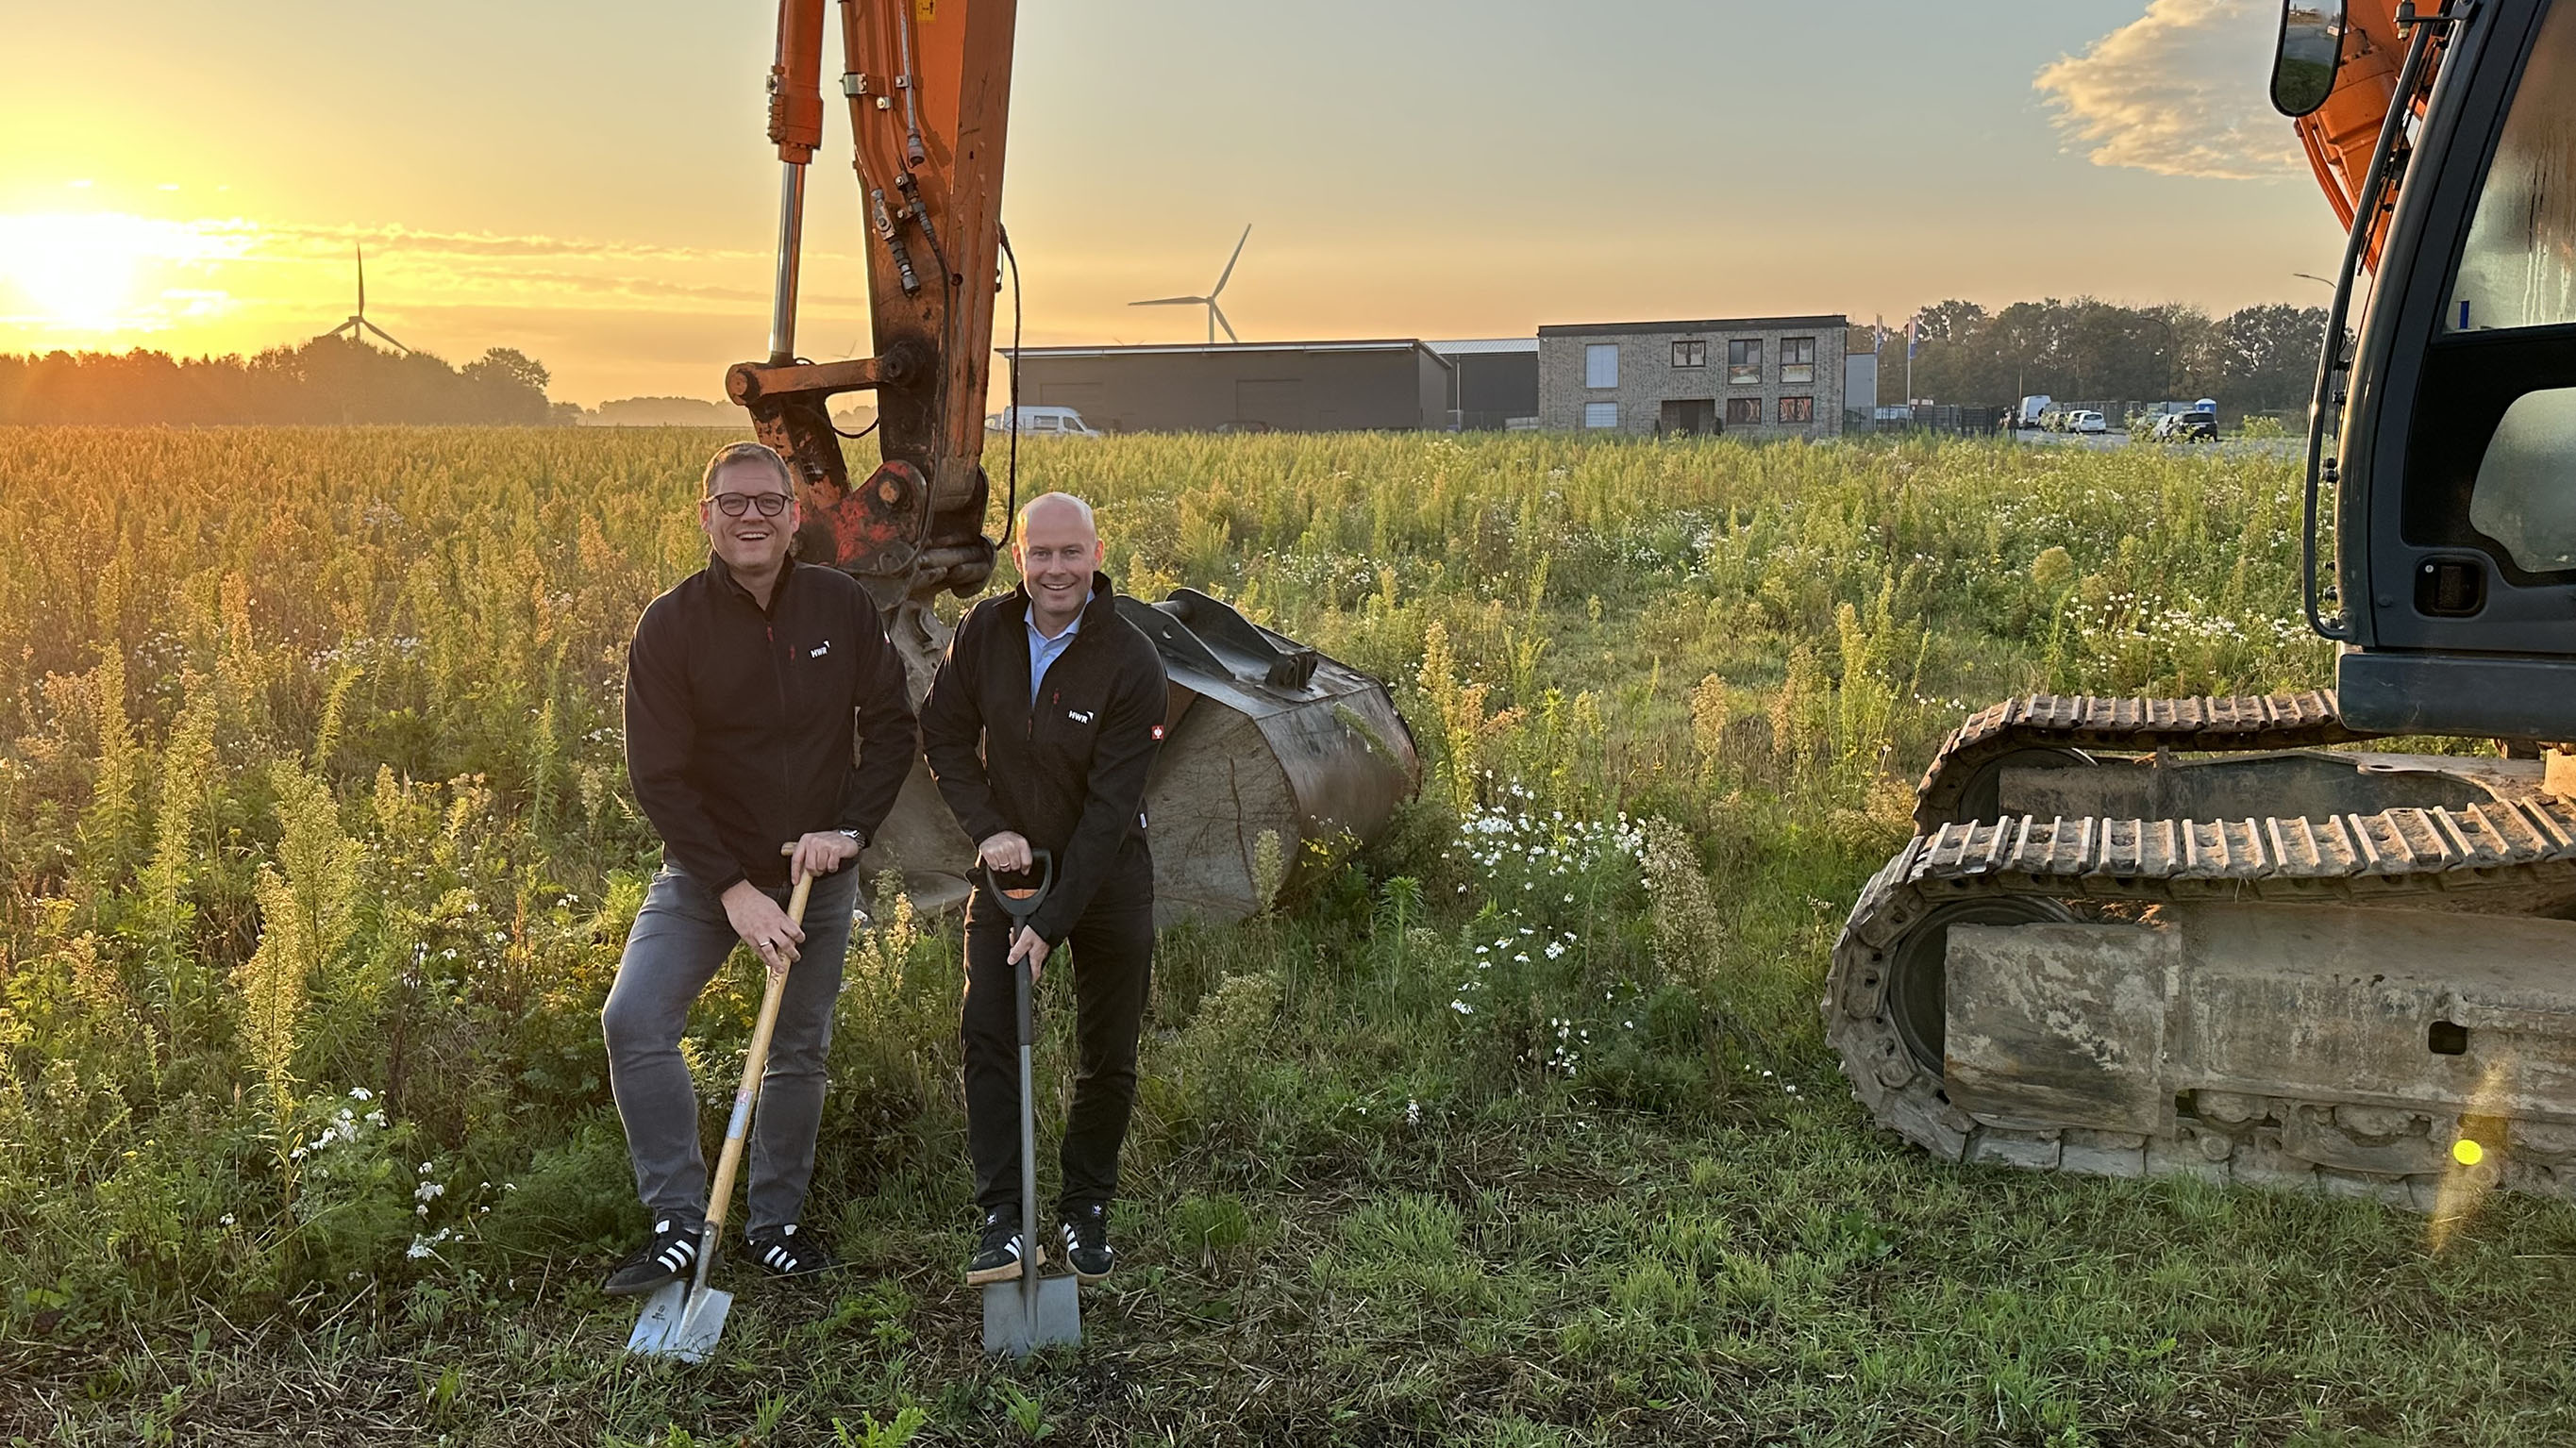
<point x="2304" y="720"/>
<point x="2396" y="857"/>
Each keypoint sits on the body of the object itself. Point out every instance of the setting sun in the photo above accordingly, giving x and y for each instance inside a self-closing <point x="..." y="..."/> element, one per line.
<point x="101" y="272"/>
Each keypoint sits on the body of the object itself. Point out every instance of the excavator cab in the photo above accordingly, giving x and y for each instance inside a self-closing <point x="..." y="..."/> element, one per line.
<point x="2453" y="578"/>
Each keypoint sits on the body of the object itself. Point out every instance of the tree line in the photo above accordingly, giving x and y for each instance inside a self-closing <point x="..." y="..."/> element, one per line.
<point x="2260" y="359"/>
<point x="326" y="380"/>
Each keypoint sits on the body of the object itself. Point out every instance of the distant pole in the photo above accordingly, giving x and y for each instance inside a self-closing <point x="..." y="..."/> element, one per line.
<point x="1910" y="324"/>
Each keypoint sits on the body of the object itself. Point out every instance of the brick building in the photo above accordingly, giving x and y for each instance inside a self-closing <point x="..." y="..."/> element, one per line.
<point x="1756" y="376"/>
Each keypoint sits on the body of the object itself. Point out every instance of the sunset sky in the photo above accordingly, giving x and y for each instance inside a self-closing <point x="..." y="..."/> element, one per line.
<point x="589" y="182"/>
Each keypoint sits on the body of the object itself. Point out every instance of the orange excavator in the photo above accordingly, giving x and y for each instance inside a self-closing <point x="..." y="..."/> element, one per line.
<point x="2191" y="936"/>
<point x="1276" y="758"/>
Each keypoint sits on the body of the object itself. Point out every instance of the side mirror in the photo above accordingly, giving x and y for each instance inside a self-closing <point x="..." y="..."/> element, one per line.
<point x="2310" y="53"/>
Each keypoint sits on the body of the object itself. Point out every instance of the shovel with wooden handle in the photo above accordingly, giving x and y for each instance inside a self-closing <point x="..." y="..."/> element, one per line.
<point x="1036" y="1311"/>
<point x="684" y="1319"/>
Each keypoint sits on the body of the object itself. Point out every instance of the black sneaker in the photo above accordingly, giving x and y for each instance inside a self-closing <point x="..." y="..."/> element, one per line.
<point x="783" y="1253"/>
<point x="671" y="1255"/>
<point x="1086" y="1240"/>
<point x="997" y="1250"/>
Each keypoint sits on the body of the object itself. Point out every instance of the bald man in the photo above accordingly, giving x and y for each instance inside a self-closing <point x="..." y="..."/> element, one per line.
<point x="1040" y="728"/>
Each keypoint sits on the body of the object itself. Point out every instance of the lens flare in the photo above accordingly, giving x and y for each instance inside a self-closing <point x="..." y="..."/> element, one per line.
<point x="2476" y="1172"/>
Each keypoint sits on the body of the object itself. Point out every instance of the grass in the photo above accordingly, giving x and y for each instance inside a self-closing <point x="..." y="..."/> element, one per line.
<point x="1518" y="1129"/>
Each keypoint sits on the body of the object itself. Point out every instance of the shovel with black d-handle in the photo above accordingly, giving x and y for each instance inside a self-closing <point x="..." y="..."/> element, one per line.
<point x="1035" y="1311"/>
<point x="684" y="1319"/>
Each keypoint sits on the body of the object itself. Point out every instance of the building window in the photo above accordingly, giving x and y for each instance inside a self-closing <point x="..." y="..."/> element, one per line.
<point x="1743" y="411"/>
<point x="1601" y="364"/>
<point x="1744" y="363"/>
<point x="1690" y="354"/>
<point x="1797" y="409"/>
<point x="1798" y="359"/>
<point x="1600" y="414"/>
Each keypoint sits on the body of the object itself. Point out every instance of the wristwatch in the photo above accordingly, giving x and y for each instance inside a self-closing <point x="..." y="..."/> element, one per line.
<point x="855" y="837"/>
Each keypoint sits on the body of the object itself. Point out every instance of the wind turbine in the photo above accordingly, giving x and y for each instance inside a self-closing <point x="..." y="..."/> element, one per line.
<point x="1216" y="317"/>
<point x="357" y="326"/>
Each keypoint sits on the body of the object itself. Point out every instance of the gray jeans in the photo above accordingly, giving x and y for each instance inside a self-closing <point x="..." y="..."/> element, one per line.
<point x="680" y="938"/>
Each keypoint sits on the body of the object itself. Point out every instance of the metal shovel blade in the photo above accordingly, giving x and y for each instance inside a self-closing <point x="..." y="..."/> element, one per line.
<point x="675" y="1324"/>
<point x="1017" y="1325"/>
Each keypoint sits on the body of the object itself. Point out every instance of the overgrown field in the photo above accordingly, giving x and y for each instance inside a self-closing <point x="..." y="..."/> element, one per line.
<point x="316" y="857"/>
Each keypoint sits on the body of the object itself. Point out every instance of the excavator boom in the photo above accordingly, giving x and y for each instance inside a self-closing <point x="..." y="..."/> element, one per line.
<point x="928" y="89"/>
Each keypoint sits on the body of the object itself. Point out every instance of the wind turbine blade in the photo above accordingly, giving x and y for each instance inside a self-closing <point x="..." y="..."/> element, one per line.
<point x="1230" y="261"/>
<point x="1170" y="302"/>
<point x="388" y="336"/>
<point x="1218" y="316"/>
<point x="362" y="280"/>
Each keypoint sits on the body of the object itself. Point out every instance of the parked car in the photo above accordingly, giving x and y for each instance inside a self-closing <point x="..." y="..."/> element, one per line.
<point x="1041" y="422"/>
<point x="2086" y="422"/>
<point x="2198" y="424"/>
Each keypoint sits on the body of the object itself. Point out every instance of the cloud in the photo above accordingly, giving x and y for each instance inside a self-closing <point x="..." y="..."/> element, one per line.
<point x="2180" y="92"/>
<point x="388" y="240"/>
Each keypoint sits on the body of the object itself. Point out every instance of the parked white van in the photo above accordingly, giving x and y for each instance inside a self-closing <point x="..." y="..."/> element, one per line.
<point x="1041" y="422"/>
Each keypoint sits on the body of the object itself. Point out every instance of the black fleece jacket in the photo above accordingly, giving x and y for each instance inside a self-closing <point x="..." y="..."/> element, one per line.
<point x="738" y="720"/>
<point x="1067" y="772"/>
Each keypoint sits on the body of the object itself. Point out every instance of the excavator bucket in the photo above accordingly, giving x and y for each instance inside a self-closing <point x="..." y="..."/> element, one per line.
<point x="1276" y="761"/>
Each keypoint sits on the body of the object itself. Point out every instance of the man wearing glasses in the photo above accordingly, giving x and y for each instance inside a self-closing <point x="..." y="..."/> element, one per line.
<point x="741" y="690"/>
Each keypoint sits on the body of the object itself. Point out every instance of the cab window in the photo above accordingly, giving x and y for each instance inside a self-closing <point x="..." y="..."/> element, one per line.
<point x="2519" y="268"/>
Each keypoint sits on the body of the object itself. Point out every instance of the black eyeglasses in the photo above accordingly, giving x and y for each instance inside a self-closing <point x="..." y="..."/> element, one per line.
<point x="734" y="505"/>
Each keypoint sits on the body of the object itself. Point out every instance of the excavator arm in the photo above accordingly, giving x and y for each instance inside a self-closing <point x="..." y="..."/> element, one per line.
<point x="928" y="89"/>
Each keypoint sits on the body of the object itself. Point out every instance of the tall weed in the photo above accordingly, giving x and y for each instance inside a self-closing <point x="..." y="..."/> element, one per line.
<point x="316" y="856"/>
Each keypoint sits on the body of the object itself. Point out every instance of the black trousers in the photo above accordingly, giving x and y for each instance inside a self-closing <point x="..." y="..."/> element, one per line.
<point x="1112" y="952"/>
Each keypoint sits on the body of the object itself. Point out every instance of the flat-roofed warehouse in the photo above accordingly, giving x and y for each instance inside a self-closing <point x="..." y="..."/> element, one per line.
<point x="1759" y="376"/>
<point x="1497" y="381"/>
<point x="1396" y="385"/>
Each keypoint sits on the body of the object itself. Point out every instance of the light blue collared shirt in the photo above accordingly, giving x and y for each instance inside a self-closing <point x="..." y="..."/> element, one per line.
<point x="1044" y="651"/>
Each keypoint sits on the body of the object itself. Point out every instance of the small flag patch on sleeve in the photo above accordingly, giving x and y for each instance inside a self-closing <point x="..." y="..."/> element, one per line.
<point x="1158" y="731"/>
